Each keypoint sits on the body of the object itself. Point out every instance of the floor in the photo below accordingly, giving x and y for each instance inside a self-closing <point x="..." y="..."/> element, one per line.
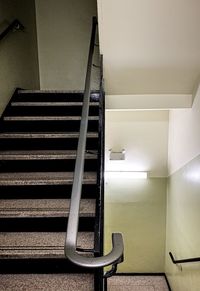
<point x="137" y="283"/>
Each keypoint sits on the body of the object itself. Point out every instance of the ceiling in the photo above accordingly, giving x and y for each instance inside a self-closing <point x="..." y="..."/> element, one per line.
<point x="150" y="47"/>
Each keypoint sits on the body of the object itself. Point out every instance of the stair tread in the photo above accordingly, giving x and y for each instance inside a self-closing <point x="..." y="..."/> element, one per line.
<point x="44" y="178"/>
<point x="18" y="103"/>
<point x="43" y="208"/>
<point x="47" y="118"/>
<point x="39" y="244"/>
<point x="50" y="282"/>
<point x="12" y="135"/>
<point x="43" y="154"/>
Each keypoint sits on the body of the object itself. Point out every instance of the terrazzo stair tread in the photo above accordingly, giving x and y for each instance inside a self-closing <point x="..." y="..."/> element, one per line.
<point x="44" y="208"/>
<point x="44" y="178"/>
<point x="137" y="283"/>
<point x="50" y="282"/>
<point x="41" y="135"/>
<point x="40" y="244"/>
<point x="44" y="154"/>
<point x="47" y="118"/>
<point x="50" y="104"/>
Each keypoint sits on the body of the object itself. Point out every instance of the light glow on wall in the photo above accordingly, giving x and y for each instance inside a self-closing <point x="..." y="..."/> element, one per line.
<point x="125" y="175"/>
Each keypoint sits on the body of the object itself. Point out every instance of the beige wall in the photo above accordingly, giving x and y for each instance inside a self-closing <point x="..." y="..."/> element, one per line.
<point x="184" y="135"/>
<point x="183" y="202"/>
<point x="18" y="51"/>
<point x="137" y="208"/>
<point x="64" y="29"/>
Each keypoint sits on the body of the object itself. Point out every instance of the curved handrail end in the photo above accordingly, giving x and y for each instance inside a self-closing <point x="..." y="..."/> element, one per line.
<point x="97" y="262"/>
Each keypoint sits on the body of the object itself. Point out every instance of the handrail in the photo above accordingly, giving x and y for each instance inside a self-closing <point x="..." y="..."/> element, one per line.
<point x="72" y="228"/>
<point x="16" y="24"/>
<point x="182" y="261"/>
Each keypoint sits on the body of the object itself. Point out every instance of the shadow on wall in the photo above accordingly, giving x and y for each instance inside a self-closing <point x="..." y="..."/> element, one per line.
<point x="18" y="51"/>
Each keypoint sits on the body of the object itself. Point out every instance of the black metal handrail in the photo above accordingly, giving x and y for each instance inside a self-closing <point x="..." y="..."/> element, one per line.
<point x="116" y="254"/>
<point x="15" y="25"/>
<point x="182" y="261"/>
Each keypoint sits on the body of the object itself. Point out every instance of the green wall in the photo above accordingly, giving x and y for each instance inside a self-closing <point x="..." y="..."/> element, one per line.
<point x="183" y="226"/>
<point x="137" y="208"/>
<point x="18" y="51"/>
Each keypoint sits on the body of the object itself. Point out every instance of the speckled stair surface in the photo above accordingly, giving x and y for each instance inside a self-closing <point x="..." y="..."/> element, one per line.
<point x="44" y="155"/>
<point x="47" y="282"/>
<point x="40" y="244"/>
<point x="39" y="132"/>
<point x="44" y="208"/>
<point x="23" y="135"/>
<point x="41" y="178"/>
<point x="137" y="283"/>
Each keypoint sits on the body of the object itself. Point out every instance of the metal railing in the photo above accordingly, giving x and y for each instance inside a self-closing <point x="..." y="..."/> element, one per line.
<point x="182" y="261"/>
<point x="116" y="254"/>
<point x="14" y="26"/>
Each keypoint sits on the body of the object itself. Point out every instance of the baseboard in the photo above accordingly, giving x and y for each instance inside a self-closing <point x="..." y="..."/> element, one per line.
<point x="168" y="283"/>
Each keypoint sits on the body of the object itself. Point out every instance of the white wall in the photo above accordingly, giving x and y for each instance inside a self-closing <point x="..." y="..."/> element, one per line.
<point x="184" y="135"/>
<point x="150" y="46"/>
<point x="144" y="136"/>
<point x="183" y="199"/>
<point x="64" y="29"/>
<point x="18" y="51"/>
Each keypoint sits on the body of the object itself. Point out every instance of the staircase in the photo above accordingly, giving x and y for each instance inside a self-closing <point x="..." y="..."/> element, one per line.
<point x="39" y="133"/>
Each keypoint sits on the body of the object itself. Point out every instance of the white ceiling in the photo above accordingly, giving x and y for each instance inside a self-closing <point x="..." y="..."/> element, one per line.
<point x="150" y="46"/>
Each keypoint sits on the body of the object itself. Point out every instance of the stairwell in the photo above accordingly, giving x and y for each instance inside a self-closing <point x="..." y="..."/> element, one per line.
<point x="38" y="142"/>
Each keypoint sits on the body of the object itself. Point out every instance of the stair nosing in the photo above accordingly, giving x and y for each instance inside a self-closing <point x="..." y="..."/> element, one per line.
<point x="51" y="104"/>
<point x="48" y="118"/>
<point x="12" y="135"/>
<point x="43" y="155"/>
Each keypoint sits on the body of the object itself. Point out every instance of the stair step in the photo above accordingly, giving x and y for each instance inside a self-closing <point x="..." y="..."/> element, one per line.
<point x="41" y="178"/>
<point x="38" y="104"/>
<point x="14" y="135"/>
<point x="47" y="118"/>
<point x="50" y="282"/>
<point x="52" y="109"/>
<point x="44" y="155"/>
<point x="89" y="191"/>
<point x="44" y="208"/>
<point x="47" y="143"/>
<point x="39" y="244"/>
<point x="43" y="224"/>
<point x="52" y="96"/>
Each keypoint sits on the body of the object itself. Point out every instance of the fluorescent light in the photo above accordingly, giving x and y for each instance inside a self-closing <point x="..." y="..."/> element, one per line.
<point x="125" y="175"/>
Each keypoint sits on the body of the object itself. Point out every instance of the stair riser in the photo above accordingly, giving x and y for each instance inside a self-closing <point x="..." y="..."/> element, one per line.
<point x="55" y="224"/>
<point x="45" y="192"/>
<point x="37" y="266"/>
<point x="49" y="97"/>
<point x="44" y="165"/>
<point x="46" y="144"/>
<point x="49" y="111"/>
<point x="51" y="126"/>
